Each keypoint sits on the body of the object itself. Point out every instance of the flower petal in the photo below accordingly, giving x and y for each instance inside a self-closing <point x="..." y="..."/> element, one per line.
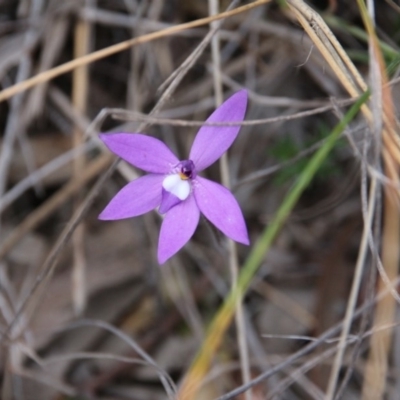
<point x="213" y="141"/>
<point x="136" y="198"/>
<point x="178" y="227"/>
<point x="144" y="152"/>
<point x="168" y="200"/>
<point x="219" y="206"/>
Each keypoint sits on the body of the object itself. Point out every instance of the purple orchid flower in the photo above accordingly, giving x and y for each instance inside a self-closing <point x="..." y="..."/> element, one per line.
<point x="175" y="187"/>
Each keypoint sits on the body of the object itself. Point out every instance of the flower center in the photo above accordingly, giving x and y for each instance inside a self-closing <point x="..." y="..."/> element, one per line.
<point x="177" y="186"/>
<point x="187" y="170"/>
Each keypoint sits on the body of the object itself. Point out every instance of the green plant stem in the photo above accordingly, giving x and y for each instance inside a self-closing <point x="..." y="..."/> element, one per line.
<point x="223" y="317"/>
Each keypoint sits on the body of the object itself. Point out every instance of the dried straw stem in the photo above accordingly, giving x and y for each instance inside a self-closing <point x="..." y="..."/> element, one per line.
<point x="354" y="84"/>
<point x="80" y="85"/>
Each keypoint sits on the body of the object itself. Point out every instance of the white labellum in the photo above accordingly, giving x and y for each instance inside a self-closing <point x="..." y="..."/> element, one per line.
<point x="177" y="186"/>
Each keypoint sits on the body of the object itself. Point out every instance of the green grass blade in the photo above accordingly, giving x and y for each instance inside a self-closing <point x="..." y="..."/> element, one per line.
<point x="224" y="315"/>
<point x="264" y="243"/>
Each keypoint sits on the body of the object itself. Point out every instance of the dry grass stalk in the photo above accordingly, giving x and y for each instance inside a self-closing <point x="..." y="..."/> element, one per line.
<point x="377" y="366"/>
<point x="98" y="55"/>
<point x="375" y="374"/>
<point x="351" y="80"/>
<point x="80" y="87"/>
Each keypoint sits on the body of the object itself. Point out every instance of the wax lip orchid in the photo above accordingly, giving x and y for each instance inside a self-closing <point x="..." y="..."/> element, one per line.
<point x="175" y="186"/>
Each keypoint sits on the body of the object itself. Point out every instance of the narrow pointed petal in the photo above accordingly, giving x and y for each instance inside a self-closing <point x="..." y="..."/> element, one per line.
<point x="136" y="198"/>
<point x="213" y="141"/>
<point x="144" y="152"/>
<point x="219" y="206"/>
<point x="178" y="227"/>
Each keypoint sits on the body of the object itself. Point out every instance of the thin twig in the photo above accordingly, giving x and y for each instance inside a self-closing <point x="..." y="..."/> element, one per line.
<point x="362" y="252"/>
<point x="80" y="87"/>
<point x="121" y="114"/>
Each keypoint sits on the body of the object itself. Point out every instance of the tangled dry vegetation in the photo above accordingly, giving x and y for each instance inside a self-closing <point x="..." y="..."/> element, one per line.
<point x="86" y="311"/>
